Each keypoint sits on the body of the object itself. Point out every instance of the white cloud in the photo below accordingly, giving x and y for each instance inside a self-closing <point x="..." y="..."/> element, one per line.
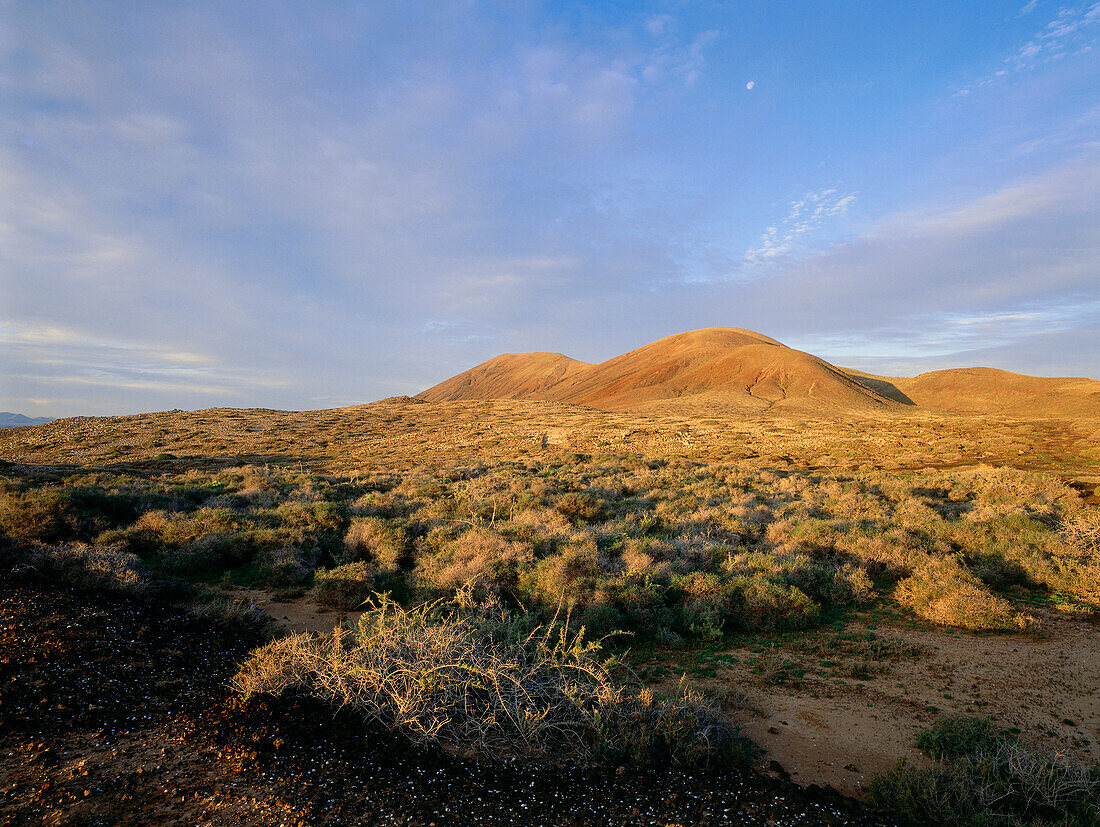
<point x="803" y="217"/>
<point x="1071" y="31"/>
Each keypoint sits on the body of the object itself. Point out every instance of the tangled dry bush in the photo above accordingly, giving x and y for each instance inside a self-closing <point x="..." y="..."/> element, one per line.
<point x="83" y="565"/>
<point x="441" y="677"/>
<point x="984" y="777"/>
<point x="1082" y="530"/>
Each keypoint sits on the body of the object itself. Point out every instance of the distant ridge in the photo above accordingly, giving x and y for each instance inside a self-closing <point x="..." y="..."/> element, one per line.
<point x="18" y="420"/>
<point x="728" y="367"/>
<point x="994" y="391"/>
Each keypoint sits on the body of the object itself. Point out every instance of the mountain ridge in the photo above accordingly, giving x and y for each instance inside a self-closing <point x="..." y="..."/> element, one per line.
<point x="740" y="368"/>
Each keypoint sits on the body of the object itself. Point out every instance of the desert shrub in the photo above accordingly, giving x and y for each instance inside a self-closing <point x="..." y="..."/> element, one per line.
<point x="581" y="508"/>
<point x="943" y="592"/>
<point x="285" y="567"/>
<point x="440" y="677"/>
<point x="344" y="587"/>
<point x="570" y="575"/>
<point x="957" y="735"/>
<point x="203" y="555"/>
<point x="82" y="565"/>
<point x="946" y="593"/>
<point x="829" y="581"/>
<point x="706" y="603"/>
<point x="768" y="604"/>
<point x="642" y="602"/>
<point x="319" y="523"/>
<point x="32" y="515"/>
<point x="51" y="513"/>
<point x="480" y="556"/>
<point x="233" y="612"/>
<point x="375" y="540"/>
<point x="985" y="777"/>
<point x="1082" y="531"/>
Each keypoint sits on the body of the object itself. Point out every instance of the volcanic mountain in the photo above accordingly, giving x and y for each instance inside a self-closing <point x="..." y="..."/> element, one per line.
<point x="727" y="367"/>
<point x="719" y="365"/>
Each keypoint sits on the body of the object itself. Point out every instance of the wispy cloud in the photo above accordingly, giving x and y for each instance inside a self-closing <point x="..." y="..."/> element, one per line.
<point x="804" y="215"/>
<point x="358" y="200"/>
<point x="52" y="357"/>
<point x="1073" y="30"/>
<point x="1019" y="260"/>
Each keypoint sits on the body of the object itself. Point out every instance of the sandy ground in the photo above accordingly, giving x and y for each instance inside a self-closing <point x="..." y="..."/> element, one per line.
<point x="841" y="731"/>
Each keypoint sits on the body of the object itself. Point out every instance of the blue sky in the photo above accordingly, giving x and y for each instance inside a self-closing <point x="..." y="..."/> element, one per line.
<point x="305" y="205"/>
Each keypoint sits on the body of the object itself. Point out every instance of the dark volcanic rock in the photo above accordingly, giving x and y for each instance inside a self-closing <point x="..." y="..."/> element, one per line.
<point x="117" y="711"/>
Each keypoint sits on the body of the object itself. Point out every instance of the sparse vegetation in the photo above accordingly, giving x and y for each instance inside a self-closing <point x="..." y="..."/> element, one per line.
<point x="985" y="777"/>
<point x="671" y="551"/>
<point x="733" y="551"/>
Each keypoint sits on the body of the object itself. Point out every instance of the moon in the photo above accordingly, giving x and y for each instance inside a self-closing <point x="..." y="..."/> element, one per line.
<point x="750" y="84"/>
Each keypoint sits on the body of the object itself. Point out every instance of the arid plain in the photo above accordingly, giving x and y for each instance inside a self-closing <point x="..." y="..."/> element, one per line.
<point x="840" y="560"/>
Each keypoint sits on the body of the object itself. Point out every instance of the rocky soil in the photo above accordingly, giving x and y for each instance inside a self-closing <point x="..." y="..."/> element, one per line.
<point x="116" y="711"/>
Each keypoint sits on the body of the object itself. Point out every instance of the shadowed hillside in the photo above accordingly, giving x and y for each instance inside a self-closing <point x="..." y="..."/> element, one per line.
<point x="988" y="390"/>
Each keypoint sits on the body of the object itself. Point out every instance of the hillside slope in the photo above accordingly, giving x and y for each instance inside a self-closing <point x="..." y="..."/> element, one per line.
<point x="993" y="391"/>
<point x="724" y="365"/>
<point x="509" y="376"/>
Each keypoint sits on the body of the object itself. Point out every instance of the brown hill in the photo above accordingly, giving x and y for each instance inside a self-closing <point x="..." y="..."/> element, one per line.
<point x="991" y="391"/>
<point x="509" y="376"/>
<point x="719" y="365"/>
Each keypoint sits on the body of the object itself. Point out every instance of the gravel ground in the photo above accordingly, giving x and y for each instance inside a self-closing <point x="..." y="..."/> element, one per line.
<point x="116" y="711"/>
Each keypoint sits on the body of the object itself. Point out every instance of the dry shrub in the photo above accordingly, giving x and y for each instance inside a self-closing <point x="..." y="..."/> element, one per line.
<point x="345" y="587"/>
<point x="581" y="508"/>
<point x="479" y="556"/>
<point x="943" y="592"/>
<point x="1082" y="531"/>
<point x="442" y="678"/>
<point x="374" y="540"/>
<point x="85" y="566"/>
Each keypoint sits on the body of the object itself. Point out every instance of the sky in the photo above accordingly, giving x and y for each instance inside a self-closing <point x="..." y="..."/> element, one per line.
<point x="308" y="205"/>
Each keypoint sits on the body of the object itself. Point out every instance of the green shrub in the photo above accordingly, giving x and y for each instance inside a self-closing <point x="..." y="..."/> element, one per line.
<point x="769" y="605"/>
<point x="345" y="587"/>
<point x="955" y="736"/>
